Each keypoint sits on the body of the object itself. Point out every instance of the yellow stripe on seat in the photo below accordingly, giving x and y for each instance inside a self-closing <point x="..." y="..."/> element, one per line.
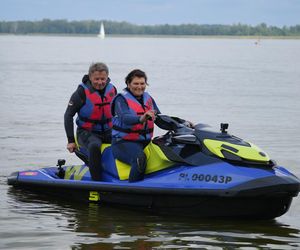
<point x="156" y="160"/>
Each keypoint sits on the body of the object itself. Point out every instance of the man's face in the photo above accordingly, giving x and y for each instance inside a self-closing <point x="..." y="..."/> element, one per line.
<point x="99" y="79"/>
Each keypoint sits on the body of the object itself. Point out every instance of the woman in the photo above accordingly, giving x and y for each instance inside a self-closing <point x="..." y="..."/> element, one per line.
<point x="134" y="113"/>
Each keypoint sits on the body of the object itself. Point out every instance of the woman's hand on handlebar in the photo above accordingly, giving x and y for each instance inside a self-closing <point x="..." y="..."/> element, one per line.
<point x="150" y="114"/>
<point x="189" y="124"/>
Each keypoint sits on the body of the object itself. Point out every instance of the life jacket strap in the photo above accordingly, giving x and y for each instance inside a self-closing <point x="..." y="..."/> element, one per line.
<point x="140" y="131"/>
<point x="104" y="121"/>
<point x="102" y="104"/>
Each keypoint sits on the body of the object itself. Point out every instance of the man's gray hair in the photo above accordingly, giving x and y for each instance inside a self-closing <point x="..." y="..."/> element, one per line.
<point x="99" y="66"/>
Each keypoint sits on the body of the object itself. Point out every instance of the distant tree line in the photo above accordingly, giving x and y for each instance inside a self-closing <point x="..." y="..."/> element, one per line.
<point x="124" y="28"/>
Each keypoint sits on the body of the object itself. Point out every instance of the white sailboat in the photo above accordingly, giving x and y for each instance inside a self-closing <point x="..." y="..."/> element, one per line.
<point x="101" y="32"/>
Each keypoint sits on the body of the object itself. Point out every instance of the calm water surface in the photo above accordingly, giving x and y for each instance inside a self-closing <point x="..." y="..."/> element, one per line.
<point x="255" y="88"/>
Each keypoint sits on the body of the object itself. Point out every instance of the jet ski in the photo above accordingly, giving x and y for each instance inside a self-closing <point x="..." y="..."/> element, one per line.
<point x="191" y="171"/>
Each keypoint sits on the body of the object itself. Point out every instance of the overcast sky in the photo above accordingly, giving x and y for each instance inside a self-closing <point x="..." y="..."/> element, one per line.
<point x="253" y="12"/>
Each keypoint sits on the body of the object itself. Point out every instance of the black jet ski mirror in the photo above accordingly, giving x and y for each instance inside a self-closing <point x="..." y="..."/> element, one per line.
<point x="61" y="171"/>
<point x="166" y="122"/>
<point x="224" y="127"/>
<point x="179" y="126"/>
<point x="200" y="126"/>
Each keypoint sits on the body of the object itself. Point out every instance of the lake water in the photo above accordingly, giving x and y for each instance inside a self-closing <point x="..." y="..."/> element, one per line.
<point x="255" y="88"/>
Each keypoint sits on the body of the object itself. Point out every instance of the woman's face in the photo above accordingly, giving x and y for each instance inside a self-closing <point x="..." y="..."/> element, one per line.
<point x="99" y="79"/>
<point x="137" y="86"/>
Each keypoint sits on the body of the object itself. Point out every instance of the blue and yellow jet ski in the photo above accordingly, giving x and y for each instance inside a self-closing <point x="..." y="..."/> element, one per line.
<point x="190" y="172"/>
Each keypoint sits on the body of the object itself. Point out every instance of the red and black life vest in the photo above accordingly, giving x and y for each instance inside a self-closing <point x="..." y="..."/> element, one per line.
<point x="136" y="132"/>
<point x="95" y="114"/>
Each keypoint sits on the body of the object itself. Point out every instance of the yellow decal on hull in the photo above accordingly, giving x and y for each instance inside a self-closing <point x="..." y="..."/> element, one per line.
<point x="94" y="196"/>
<point x="252" y="152"/>
<point x="78" y="172"/>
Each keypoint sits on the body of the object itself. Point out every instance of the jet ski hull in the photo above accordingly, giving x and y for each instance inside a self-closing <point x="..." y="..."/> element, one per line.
<point x="190" y="172"/>
<point x="265" y="198"/>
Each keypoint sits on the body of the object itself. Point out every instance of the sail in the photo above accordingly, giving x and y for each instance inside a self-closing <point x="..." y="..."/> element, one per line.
<point x="101" y="32"/>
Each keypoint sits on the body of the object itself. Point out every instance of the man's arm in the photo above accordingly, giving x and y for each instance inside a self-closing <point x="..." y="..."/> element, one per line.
<point x="74" y="105"/>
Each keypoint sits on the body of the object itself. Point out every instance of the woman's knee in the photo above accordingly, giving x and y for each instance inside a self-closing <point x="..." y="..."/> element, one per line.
<point x="120" y="154"/>
<point x="140" y="162"/>
<point x="127" y="152"/>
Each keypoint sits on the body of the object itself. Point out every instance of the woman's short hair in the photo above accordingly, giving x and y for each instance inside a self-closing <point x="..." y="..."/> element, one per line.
<point x="135" y="73"/>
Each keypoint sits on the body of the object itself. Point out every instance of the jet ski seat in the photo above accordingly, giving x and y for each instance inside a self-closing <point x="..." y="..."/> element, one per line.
<point x="156" y="161"/>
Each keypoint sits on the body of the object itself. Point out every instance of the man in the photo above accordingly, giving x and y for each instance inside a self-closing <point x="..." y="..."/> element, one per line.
<point x="91" y="101"/>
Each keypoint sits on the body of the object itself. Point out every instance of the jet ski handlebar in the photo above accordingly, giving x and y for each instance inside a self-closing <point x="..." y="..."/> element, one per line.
<point x="175" y="124"/>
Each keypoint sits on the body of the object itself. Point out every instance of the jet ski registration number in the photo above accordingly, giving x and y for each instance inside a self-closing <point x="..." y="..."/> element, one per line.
<point x="205" y="177"/>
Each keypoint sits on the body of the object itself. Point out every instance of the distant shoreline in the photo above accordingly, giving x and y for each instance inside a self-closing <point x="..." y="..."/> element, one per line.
<point x="90" y="27"/>
<point x="156" y="36"/>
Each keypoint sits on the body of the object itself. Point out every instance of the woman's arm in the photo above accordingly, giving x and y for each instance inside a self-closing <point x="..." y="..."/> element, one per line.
<point x="122" y="111"/>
